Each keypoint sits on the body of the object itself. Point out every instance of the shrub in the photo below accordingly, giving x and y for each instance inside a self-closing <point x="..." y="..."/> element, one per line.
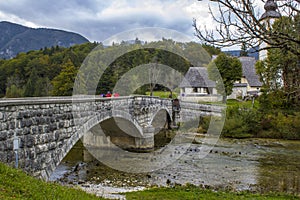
<point x="279" y="125"/>
<point x="241" y="122"/>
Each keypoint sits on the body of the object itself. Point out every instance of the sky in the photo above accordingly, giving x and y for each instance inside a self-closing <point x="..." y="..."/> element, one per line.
<point x="98" y="20"/>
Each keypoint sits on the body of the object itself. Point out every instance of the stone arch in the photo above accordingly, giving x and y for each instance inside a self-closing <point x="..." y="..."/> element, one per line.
<point x="158" y="116"/>
<point x="80" y="131"/>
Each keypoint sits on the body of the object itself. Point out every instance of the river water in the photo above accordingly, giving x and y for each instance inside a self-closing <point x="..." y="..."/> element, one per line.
<point x="262" y="165"/>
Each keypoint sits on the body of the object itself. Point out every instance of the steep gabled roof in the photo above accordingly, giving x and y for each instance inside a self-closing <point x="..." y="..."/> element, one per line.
<point x="248" y="65"/>
<point x="197" y="77"/>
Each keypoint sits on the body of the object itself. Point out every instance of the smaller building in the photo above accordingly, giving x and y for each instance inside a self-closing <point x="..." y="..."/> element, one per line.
<point x="197" y="87"/>
<point x="249" y="84"/>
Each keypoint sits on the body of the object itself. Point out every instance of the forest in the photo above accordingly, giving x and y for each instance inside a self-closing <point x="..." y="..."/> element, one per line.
<point x="52" y="71"/>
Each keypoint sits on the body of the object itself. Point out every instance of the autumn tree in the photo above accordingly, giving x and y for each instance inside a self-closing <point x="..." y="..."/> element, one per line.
<point x="229" y="68"/>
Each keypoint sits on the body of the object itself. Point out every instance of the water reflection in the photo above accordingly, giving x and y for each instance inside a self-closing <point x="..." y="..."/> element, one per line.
<point x="279" y="167"/>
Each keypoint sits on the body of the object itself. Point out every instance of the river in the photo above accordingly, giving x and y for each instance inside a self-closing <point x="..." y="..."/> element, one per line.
<point x="261" y="165"/>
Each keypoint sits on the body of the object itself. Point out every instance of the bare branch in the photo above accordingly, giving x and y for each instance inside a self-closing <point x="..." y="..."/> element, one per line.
<point x="239" y="22"/>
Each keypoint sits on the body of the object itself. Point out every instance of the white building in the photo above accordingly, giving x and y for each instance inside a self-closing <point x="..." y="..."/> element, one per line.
<point x="197" y="87"/>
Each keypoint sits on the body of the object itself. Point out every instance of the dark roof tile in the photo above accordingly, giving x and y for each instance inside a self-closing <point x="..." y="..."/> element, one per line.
<point x="197" y="77"/>
<point x="248" y="65"/>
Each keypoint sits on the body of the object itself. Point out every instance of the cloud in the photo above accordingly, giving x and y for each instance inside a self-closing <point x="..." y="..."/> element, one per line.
<point x="98" y="19"/>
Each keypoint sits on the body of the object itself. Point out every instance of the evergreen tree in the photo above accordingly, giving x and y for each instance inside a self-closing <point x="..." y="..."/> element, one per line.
<point x="31" y="84"/>
<point x="244" y="51"/>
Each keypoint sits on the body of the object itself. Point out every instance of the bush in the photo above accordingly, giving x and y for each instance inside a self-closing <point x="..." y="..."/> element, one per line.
<point x="273" y="101"/>
<point x="279" y="125"/>
<point x="241" y="122"/>
<point x="204" y="124"/>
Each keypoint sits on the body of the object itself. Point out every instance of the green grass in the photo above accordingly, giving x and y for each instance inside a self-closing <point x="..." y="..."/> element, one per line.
<point x="193" y="192"/>
<point x="233" y="103"/>
<point x="246" y="104"/>
<point x="163" y="94"/>
<point x="15" y="184"/>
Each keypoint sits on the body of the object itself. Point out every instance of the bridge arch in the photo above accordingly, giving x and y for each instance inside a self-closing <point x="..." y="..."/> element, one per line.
<point x="86" y="127"/>
<point x="160" y="117"/>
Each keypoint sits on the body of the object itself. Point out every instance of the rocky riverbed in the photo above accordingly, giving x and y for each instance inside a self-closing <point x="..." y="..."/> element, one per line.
<point x="252" y="164"/>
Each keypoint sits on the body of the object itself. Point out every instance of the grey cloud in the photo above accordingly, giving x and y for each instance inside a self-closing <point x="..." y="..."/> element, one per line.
<point x="81" y="17"/>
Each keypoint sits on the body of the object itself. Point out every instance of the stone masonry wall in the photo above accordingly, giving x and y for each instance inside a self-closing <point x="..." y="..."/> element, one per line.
<point x="48" y="128"/>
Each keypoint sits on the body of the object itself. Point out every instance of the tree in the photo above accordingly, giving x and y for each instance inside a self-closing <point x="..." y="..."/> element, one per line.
<point x="14" y="92"/>
<point x="31" y="84"/>
<point x="240" y="22"/>
<point x="244" y="50"/>
<point x="64" y="82"/>
<point x="280" y="71"/>
<point x="212" y="50"/>
<point x="43" y="87"/>
<point x="230" y="70"/>
<point x="14" y="87"/>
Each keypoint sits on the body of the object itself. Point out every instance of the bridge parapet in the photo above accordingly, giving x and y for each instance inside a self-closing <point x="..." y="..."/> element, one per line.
<point x="144" y="107"/>
<point x="190" y="110"/>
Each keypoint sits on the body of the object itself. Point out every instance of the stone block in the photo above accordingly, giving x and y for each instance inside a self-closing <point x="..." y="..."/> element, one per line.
<point x="10" y="156"/>
<point x="26" y="114"/>
<point x="19" y="132"/>
<point x="3" y="136"/>
<point x="52" y="145"/>
<point x="41" y="148"/>
<point x="34" y="130"/>
<point x="9" y="145"/>
<point x="3" y="146"/>
<point x="28" y="122"/>
<point x="53" y="127"/>
<point x="26" y="130"/>
<point x="3" y="156"/>
<point x="45" y="106"/>
<point x="61" y="124"/>
<point x="30" y="141"/>
<point x="22" y="142"/>
<point x="66" y="124"/>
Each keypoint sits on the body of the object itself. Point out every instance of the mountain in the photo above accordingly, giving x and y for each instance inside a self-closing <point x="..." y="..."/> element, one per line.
<point x="253" y="52"/>
<point x="15" y="38"/>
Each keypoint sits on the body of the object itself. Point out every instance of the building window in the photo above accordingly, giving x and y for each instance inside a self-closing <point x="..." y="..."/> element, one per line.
<point x="195" y="89"/>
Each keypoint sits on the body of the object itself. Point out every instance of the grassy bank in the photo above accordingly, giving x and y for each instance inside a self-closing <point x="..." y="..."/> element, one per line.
<point x="193" y="192"/>
<point x="15" y="184"/>
<point x="163" y="94"/>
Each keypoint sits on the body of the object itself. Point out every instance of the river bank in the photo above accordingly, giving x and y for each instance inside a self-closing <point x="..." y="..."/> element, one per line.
<point x="15" y="184"/>
<point x="256" y="165"/>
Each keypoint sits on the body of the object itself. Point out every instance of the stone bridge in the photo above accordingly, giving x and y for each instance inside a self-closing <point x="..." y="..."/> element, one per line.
<point x="43" y="130"/>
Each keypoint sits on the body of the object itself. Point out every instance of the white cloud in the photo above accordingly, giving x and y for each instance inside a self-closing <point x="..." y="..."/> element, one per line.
<point x="13" y="18"/>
